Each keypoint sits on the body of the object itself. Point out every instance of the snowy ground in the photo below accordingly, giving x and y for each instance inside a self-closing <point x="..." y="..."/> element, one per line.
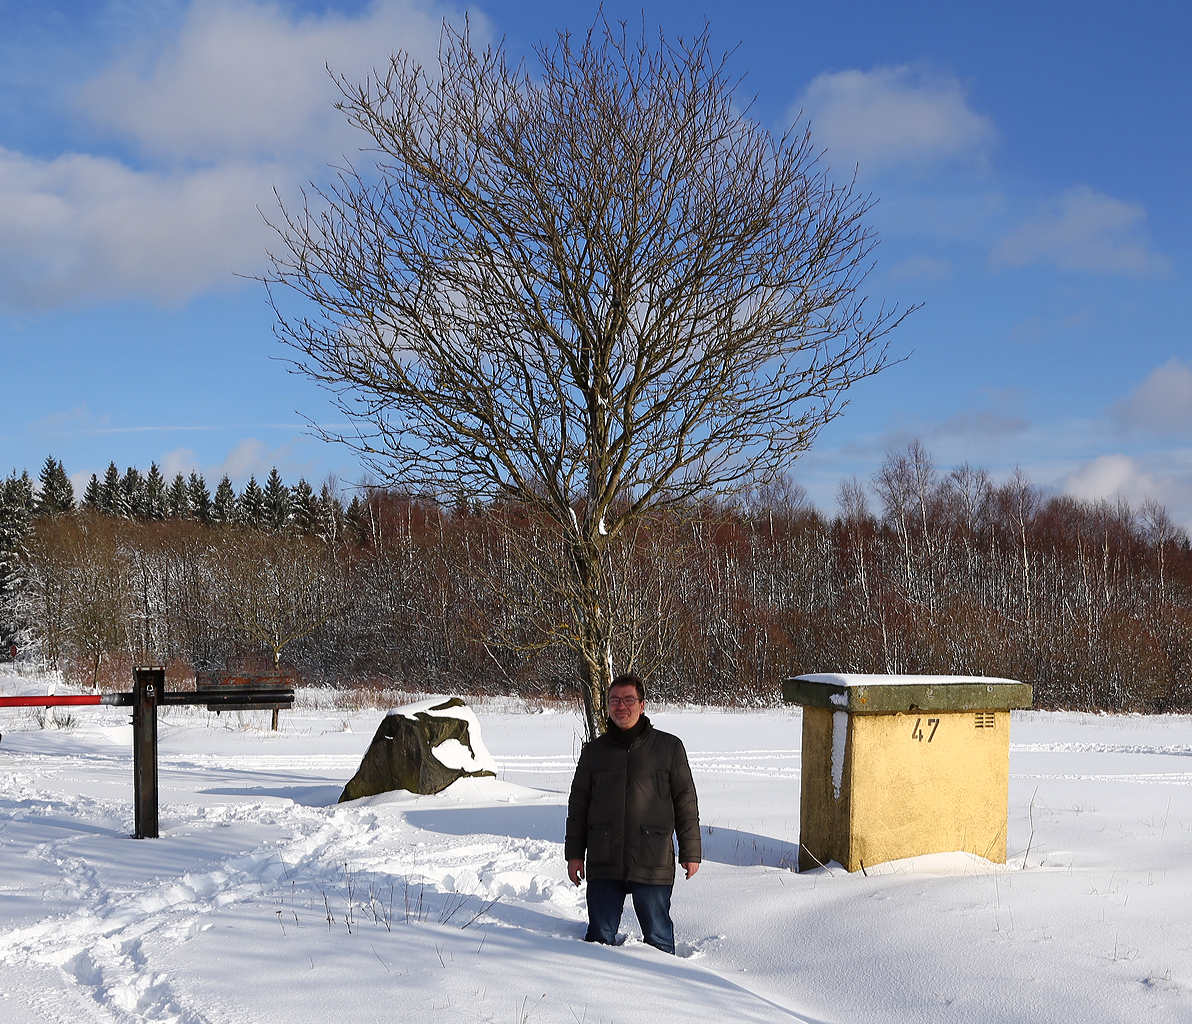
<point x="265" y="901"/>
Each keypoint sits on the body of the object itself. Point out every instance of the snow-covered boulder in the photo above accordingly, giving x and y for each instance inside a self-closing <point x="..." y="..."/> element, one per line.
<point x="422" y="748"/>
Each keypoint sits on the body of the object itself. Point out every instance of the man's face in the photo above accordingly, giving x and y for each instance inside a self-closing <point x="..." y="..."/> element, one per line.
<point x="624" y="707"/>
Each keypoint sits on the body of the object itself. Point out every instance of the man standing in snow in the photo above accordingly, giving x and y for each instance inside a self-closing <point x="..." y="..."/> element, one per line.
<point x="631" y="793"/>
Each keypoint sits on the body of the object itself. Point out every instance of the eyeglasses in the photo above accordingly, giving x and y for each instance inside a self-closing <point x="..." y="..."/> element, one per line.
<point x="622" y="702"/>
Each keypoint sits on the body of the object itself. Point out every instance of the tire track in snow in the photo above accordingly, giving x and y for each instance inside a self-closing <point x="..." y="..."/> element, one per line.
<point x="764" y="764"/>
<point x="1159" y="779"/>
<point x="1171" y="749"/>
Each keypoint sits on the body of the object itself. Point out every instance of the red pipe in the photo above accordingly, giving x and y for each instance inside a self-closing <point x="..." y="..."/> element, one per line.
<point x="51" y="702"/>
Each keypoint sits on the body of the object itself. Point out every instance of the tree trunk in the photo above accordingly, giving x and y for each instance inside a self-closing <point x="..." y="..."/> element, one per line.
<point x="590" y="603"/>
<point x="595" y="677"/>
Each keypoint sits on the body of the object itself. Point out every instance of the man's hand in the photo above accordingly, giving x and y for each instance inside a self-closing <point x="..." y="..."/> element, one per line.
<point x="691" y="867"/>
<point x="575" y="870"/>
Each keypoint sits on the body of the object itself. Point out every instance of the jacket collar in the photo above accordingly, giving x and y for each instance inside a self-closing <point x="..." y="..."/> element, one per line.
<point x="625" y="737"/>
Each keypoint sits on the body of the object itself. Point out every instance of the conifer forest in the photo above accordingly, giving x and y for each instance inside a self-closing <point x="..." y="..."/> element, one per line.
<point x="915" y="570"/>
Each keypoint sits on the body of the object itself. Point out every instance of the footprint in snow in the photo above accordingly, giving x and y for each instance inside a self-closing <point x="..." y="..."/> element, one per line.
<point x="693" y="950"/>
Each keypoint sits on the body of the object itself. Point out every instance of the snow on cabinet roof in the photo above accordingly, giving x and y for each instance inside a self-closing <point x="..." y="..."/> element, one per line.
<point x="860" y="679"/>
<point x="881" y="694"/>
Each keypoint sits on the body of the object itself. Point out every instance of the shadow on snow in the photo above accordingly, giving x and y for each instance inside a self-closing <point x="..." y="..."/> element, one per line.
<point x="721" y="845"/>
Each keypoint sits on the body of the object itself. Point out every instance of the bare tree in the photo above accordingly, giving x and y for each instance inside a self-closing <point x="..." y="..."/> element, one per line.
<point x="1161" y="530"/>
<point x="905" y="482"/>
<point x="1020" y="500"/>
<point x="598" y="290"/>
<point x="855" y="517"/>
<point x="100" y="604"/>
<point x="277" y="587"/>
<point x="79" y="575"/>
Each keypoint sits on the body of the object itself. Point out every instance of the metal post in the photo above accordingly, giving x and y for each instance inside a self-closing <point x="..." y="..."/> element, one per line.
<point x="148" y="684"/>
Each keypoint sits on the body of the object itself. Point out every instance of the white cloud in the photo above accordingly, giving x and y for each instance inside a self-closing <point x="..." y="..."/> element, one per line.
<point x="910" y="120"/>
<point x="251" y="457"/>
<point x="64" y="422"/>
<point x="893" y="115"/>
<point x="1161" y="404"/>
<point x="238" y="104"/>
<point x="244" y="80"/>
<point x="984" y="425"/>
<point x="1109" y="476"/>
<point x="1114" y="476"/>
<point x="180" y="460"/>
<point x="84" y="227"/>
<point x="1082" y="229"/>
<point x="920" y="268"/>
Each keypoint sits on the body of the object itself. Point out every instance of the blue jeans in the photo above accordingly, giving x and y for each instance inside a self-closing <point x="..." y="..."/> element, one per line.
<point x="651" y="903"/>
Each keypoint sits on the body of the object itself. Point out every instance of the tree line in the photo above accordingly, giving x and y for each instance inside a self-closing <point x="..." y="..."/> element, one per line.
<point x="914" y="571"/>
<point x="148" y="497"/>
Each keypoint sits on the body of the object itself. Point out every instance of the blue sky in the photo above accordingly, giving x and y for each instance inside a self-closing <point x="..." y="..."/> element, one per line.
<point x="1032" y="163"/>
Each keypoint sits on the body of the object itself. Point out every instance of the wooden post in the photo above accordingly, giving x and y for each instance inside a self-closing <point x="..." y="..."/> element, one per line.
<point x="148" y="684"/>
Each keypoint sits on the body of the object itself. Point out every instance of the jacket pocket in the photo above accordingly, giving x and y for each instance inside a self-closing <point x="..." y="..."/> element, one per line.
<point x="600" y="844"/>
<point x="604" y="787"/>
<point x="662" y="779"/>
<point x="658" y="848"/>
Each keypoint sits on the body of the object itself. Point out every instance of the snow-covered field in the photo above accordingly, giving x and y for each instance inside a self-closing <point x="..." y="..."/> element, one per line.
<point x="265" y="901"/>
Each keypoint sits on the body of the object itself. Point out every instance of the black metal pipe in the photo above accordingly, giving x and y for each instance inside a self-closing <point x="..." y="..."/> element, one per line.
<point x="238" y="696"/>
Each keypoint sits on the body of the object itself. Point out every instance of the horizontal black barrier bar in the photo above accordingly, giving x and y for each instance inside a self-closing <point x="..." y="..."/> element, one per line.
<point x="230" y="699"/>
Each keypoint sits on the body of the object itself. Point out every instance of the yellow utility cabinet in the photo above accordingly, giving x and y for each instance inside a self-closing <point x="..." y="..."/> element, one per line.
<point x="900" y="766"/>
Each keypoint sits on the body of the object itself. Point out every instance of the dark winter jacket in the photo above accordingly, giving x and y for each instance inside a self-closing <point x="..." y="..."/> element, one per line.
<point x="627" y="800"/>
